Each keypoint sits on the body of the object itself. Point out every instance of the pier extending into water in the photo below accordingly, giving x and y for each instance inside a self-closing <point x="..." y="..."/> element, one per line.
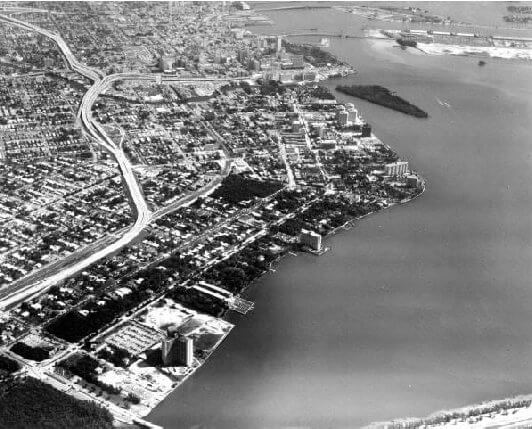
<point x="234" y="302"/>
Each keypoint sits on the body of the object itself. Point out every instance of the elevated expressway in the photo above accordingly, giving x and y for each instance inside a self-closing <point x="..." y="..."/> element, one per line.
<point x="40" y="283"/>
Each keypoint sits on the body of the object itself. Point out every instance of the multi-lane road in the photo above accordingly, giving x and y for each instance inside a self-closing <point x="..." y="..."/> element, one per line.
<point x="71" y="59"/>
<point x="143" y="214"/>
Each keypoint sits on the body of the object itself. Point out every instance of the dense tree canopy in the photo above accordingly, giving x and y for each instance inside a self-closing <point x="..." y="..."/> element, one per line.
<point x="235" y="189"/>
<point x="384" y="97"/>
<point x="32" y="404"/>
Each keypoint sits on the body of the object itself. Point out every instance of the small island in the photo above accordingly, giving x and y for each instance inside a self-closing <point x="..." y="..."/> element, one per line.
<point x="384" y="97"/>
<point x="406" y="43"/>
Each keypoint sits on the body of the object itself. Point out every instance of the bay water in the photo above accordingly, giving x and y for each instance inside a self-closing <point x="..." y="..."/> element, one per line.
<point x="420" y="307"/>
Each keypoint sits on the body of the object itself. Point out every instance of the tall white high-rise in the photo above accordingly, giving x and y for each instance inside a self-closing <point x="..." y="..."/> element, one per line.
<point x="399" y="168"/>
<point x="177" y="351"/>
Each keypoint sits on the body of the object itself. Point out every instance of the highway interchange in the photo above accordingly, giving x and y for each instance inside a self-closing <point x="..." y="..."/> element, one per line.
<point x="144" y="216"/>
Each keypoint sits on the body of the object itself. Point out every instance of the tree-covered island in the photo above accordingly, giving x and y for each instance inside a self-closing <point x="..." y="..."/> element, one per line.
<point x="384" y="97"/>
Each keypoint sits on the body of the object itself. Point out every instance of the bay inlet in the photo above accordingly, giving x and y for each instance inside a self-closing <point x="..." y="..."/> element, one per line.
<point x="420" y="307"/>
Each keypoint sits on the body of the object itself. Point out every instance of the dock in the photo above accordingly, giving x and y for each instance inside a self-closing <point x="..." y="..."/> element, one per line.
<point x="234" y="302"/>
<point x="317" y="252"/>
<point x="241" y="305"/>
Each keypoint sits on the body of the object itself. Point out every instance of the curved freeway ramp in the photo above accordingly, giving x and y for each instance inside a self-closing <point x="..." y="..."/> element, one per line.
<point x="51" y="275"/>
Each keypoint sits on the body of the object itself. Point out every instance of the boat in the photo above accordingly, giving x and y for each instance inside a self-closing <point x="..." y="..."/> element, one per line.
<point x="482" y="63"/>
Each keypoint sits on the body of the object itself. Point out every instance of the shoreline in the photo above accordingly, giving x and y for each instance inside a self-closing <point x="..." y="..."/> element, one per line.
<point x="519" y="413"/>
<point x="348" y="225"/>
<point x="499" y="51"/>
<point x="185" y="378"/>
<point x="229" y="315"/>
<point x="292" y="251"/>
<point x="521" y="54"/>
<point x="490" y="413"/>
<point x="434" y="49"/>
<point x="144" y="410"/>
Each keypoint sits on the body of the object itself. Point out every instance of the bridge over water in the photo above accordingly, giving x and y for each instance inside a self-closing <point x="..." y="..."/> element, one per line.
<point x="330" y="35"/>
<point x="335" y="35"/>
<point x="291" y="8"/>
